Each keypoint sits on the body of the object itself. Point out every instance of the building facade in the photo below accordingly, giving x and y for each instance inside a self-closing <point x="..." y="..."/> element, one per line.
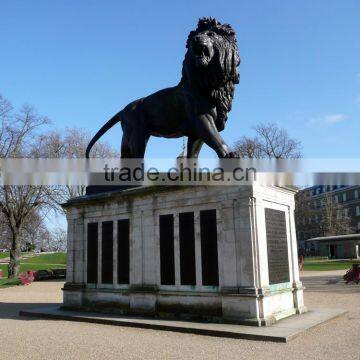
<point x="326" y="210"/>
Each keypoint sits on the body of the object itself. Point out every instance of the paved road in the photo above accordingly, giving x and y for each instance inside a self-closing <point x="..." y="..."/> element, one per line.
<point x="22" y="338"/>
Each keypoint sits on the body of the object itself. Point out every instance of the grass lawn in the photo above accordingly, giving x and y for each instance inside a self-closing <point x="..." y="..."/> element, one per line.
<point x="38" y="262"/>
<point x="324" y="265"/>
<point x="57" y="258"/>
<point x="8" y="282"/>
<point x="4" y="255"/>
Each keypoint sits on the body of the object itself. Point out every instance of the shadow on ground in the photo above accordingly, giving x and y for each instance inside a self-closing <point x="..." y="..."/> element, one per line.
<point x="38" y="294"/>
<point x="329" y="283"/>
<point x="11" y="310"/>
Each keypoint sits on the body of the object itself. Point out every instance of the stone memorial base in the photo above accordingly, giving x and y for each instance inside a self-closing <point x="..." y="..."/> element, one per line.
<point x="220" y="254"/>
<point x="283" y="331"/>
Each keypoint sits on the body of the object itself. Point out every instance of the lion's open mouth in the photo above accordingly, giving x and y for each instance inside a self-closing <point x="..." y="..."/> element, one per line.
<point x="201" y="50"/>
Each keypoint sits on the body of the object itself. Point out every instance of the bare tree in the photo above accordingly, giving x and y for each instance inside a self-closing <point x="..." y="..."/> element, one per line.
<point x="72" y="144"/>
<point x="34" y="231"/>
<point x="29" y="234"/>
<point x="18" y="203"/>
<point x="270" y="141"/>
<point x="23" y="207"/>
<point x="4" y="233"/>
<point x="320" y="216"/>
<point x="56" y="241"/>
<point x="18" y="138"/>
<point x="334" y="218"/>
<point x="45" y="239"/>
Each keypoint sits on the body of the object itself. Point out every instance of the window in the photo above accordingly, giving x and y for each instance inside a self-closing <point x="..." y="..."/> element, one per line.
<point x="358" y="225"/>
<point x="107" y="253"/>
<point x="344" y="197"/>
<point x="358" y="210"/>
<point x="346" y="213"/>
<point x="123" y="251"/>
<point x="167" y="262"/>
<point x="209" y="252"/>
<point x="336" y="199"/>
<point x="92" y="253"/>
<point x="187" y="248"/>
<point x="356" y="194"/>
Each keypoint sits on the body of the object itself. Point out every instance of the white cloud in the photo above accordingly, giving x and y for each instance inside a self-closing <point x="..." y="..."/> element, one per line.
<point x="329" y="119"/>
<point x="334" y="118"/>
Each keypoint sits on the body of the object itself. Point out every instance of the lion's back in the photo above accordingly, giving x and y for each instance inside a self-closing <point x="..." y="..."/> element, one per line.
<point x="164" y="111"/>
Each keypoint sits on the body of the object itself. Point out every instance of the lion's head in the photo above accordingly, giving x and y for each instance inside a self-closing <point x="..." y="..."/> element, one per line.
<point x="211" y="62"/>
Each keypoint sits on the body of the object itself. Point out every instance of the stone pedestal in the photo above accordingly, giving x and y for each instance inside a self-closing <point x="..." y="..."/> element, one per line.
<point x="226" y="254"/>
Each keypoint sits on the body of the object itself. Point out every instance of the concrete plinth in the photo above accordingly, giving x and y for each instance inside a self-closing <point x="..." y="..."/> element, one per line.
<point x="283" y="331"/>
<point x="250" y="276"/>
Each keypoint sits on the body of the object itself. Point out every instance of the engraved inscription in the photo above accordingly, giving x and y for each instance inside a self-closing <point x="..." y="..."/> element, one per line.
<point x="277" y="246"/>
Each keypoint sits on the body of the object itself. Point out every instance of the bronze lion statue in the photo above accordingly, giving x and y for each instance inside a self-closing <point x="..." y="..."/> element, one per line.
<point x="197" y="107"/>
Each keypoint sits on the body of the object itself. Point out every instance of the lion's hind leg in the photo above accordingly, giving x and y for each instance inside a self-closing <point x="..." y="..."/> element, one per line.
<point x="134" y="141"/>
<point x="125" y="148"/>
<point x="138" y="144"/>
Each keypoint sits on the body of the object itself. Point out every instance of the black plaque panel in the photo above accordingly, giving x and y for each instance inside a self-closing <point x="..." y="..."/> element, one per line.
<point x="187" y="248"/>
<point x="107" y="253"/>
<point x="123" y="251"/>
<point x="92" y="253"/>
<point x="277" y="246"/>
<point x="167" y="264"/>
<point x="209" y="251"/>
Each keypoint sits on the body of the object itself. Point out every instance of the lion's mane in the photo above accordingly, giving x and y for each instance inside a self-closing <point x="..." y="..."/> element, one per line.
<point x="217" y="81"/>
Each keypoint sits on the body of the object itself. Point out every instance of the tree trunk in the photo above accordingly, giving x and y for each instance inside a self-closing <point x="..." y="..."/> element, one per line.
<point x="15" y="253"/>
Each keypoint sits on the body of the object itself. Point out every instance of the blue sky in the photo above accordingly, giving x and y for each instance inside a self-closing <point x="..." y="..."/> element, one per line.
<point x="79" y="62"/>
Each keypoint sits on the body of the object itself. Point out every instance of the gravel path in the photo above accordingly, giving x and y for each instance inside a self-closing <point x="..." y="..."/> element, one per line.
<point x="23" y="338"/>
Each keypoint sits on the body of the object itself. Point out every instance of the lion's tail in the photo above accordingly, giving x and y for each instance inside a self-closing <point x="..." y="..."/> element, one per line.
<point x="113" y="121"/>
